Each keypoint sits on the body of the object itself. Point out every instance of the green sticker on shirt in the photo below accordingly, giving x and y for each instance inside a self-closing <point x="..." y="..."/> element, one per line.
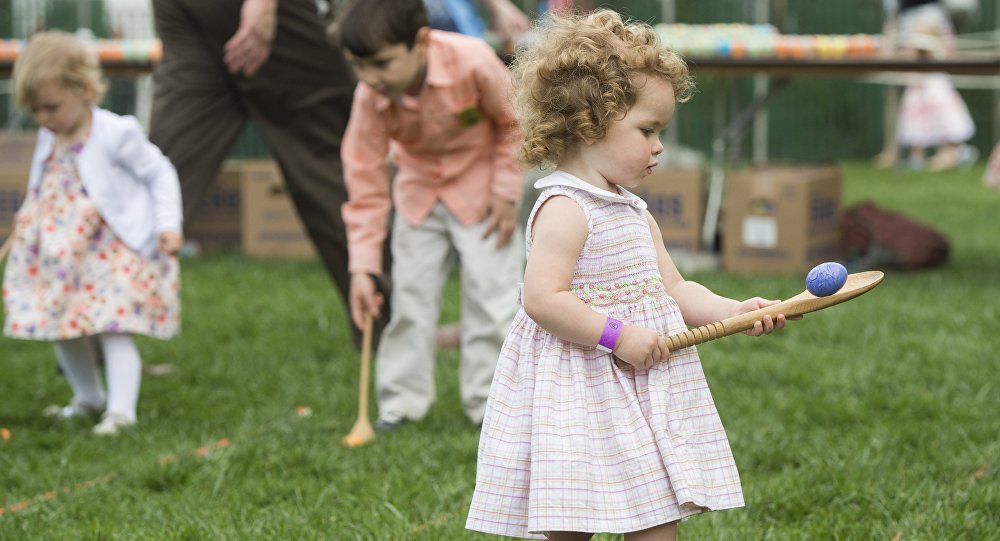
<point x="469" y="116"/>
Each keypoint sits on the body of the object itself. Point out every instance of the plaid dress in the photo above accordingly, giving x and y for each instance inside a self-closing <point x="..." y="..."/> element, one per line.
<point x="570" y="441"/>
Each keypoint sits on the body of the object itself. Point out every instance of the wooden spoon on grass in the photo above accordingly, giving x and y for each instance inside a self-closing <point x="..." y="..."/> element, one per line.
<point x="362" y="431"/>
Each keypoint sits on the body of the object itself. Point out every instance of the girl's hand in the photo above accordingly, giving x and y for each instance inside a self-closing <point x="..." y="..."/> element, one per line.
<point x="21" y="218"/>
<point x="364" y="299"/>
<point x="170" y="242"/>
<point x="765" y="325"/>
<point x="641" y="347"/>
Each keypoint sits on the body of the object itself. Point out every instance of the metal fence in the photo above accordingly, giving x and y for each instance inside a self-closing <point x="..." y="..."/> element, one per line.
<point x="814" y="119"/>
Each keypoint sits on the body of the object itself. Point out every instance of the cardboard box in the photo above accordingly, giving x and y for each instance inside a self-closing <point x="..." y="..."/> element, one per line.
<point x="781" y="219"/>
<point x="217" y="224"/>
<point x="17" y="148"/>
<point x="676" y="199"/>
<point x="271" y="226"/>
<point x="13" y="186"/>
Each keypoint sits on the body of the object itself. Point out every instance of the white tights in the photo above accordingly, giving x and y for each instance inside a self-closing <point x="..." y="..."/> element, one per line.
<point x="122" y="365"/>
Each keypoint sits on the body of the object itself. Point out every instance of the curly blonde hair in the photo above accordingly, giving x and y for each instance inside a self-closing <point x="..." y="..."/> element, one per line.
<point x="581" y="75"/>
<point x="56" y="56"/>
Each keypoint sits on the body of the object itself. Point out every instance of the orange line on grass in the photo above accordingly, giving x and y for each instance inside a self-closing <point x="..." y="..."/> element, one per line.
<point x="51" y="495"/>
<point x="200" y="452"/>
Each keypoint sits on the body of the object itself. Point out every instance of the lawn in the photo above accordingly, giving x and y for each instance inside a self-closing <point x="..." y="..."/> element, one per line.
<point x="877" y="419"/>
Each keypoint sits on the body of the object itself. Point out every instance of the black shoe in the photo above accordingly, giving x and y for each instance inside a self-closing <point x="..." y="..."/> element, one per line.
<point x="384" y="425"/>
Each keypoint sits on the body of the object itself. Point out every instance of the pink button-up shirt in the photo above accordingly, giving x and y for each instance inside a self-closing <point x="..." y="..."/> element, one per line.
<point x="456" y="143"/>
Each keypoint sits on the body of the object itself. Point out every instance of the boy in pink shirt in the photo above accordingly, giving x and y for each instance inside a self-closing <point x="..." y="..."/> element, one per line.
<point x="437" y="102"/>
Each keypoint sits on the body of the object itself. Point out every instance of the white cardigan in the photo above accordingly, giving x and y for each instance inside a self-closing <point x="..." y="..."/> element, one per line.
<point x="132" y="184"/>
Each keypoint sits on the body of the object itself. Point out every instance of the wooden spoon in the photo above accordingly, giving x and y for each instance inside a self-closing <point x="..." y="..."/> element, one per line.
<point x="803" y="303"/>
<point x="362" y="432"/>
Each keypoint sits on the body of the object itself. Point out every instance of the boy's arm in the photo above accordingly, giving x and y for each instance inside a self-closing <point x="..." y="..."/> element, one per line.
<point x="366" y="175"/>
<point x="494" y="84"/>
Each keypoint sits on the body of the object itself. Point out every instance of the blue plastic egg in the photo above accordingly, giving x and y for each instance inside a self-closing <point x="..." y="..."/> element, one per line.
<point x="826" y="279"/>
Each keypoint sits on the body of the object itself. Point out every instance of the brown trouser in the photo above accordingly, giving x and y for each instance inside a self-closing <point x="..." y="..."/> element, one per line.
<point x="300" y="99"/>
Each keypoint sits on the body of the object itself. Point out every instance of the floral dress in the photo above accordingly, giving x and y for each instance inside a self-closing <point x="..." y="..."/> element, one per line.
<point x="68" y="275"/>
<point x="572" y="442"/>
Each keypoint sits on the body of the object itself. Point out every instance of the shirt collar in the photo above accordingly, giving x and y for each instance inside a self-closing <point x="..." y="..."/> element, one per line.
<point x="440" y="72"/>
<point x="562" y="178"/>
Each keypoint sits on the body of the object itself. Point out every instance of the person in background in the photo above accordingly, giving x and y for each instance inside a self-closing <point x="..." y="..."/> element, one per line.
<point x="573" y="444"/>
<point x="505" y="19"/>
<point x="437" y="102"/>
<point x="94" y="244"/>
<point x="931" y="113"/>
<point x="227" y="62"/>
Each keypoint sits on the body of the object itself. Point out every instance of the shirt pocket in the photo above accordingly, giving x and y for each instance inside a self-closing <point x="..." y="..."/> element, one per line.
<point x="455" y="125"/>
<point x="441" y="128"/>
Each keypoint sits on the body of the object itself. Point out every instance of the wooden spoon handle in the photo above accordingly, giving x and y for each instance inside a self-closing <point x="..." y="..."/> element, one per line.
<point x="696" y="336"/>
<point x="366" y="355"/>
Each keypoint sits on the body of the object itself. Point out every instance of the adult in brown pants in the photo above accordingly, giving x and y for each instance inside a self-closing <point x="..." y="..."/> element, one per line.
<point x="229" y="61"/>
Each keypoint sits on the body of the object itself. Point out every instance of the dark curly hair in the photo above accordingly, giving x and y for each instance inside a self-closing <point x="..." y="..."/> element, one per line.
<point x="363" y="27"/>
<point x="580" y="75"/>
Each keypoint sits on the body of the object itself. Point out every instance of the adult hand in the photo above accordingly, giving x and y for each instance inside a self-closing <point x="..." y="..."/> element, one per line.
<point x="364" y="299"/>
<point x="641" y="347"/>
<point x="507" y="20"/>
<point x="170" y="242"/>
<point x="502" y="215"/>
<point x="249" y="48"/>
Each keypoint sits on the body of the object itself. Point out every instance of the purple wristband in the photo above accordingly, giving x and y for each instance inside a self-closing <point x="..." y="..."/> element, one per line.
<point x="609" y="338"/>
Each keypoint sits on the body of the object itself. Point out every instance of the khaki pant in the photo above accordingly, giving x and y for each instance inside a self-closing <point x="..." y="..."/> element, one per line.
<point x="423" y="256"/>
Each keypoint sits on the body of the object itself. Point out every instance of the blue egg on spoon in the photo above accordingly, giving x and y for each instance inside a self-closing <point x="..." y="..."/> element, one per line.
<point x="826" y="279"/>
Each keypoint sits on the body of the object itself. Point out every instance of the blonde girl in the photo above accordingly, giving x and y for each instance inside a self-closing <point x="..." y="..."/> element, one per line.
<point x="571" y="443"/>
<point x="93" y="256"/>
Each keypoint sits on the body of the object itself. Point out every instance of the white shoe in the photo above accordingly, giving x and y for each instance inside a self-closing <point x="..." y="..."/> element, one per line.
<point x="111" y="423"/>
<point x="74" y="409"/>
<point x="190" y="248"/>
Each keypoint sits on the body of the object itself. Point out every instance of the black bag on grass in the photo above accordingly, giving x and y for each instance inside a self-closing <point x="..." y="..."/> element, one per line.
<point x="875" y="238"/>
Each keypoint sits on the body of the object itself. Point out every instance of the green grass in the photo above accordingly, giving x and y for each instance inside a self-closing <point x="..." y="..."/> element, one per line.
<point x="872" y="420"/>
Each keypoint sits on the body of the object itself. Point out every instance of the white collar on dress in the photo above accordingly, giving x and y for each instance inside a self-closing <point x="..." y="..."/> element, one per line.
<point x="562" y="178"/>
